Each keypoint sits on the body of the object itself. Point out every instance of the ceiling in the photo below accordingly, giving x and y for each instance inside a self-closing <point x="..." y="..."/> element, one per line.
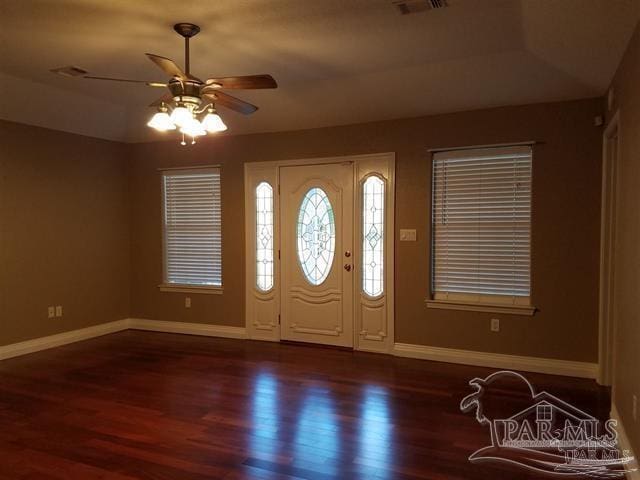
<point x="336" y="61"/>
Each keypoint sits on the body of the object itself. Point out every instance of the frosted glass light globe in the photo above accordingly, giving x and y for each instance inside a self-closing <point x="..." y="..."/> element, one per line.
<point x="161" y="122"/>
<point x="180" y="116"/>
<point x="212" y="123"/>
<point x="193" y="128"/>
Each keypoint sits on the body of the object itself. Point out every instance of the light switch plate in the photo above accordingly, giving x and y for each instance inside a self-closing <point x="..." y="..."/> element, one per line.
<point x="51" y="312"/>
<point x="407" y="235"/>
<point x="187" y="302"/>
<point x="59" y="311"/>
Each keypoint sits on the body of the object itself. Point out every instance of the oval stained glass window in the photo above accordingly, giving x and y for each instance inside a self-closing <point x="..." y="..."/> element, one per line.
<point x="316" y="235"/>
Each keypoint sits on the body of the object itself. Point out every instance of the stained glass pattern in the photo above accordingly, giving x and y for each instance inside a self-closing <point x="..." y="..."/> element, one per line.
<point x="316" y="235"/>
<point x="373" y="236"/>
<point x="264" y="237"/>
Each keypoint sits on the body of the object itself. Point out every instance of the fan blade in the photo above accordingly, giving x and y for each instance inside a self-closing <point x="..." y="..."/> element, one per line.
<point x="127" y="80"/>
<point x="168" y="66"/>
<point x="163" y="99"/>
<point x="231" y="102"/>
<point x="245" y="82"/>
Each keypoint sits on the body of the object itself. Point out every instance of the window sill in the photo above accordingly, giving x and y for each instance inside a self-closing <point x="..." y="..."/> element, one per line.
<point x="481" y="307"/>
<point x="206" y="290"/>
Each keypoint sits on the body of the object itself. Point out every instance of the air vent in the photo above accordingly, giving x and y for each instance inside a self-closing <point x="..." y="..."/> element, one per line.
<point x="414" y="6"/>
<point x="70" y="71"/>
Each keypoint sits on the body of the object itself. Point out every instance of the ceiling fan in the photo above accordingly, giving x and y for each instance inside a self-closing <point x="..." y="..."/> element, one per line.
<point x="188" y="97"/>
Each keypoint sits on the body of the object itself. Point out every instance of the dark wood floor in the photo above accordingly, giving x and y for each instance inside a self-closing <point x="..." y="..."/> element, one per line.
<point x="143" y="405"/>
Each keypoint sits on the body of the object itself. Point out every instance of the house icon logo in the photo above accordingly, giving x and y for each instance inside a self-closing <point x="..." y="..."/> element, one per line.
<point x="550" y="435"/>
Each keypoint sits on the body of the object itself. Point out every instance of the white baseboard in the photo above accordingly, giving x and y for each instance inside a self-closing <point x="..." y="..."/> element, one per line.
<point x="482" y="359"/>
<point x="43" y="343"/>
<point x="497" y="360"/>
<point x="633" y="472"/>
<point x="188" y="328"/>
<point x="37" y="344"/>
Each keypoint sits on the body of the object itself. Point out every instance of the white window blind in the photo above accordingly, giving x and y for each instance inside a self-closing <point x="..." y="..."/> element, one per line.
<point x="192" y="227"/>
<point x="481" y="225"/>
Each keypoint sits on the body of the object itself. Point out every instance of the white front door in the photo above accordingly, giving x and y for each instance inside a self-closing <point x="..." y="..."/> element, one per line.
<point x="316" y="205"/>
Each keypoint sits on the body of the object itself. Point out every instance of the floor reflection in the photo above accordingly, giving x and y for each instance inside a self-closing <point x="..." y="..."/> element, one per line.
<point x="327" y="438"/>
<point x="263" y="441"/>
<point x="375" y="434"/>
<point x="317" y="434"/>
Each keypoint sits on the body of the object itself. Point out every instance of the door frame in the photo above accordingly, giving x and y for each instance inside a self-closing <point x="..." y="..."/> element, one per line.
<point x="373" y="328"/>
<point x="606" y="311"/>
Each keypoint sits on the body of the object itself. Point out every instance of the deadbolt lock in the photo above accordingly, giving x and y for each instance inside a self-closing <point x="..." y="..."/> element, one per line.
<point x="347" y="267"/>
<point x="347" y="254"/>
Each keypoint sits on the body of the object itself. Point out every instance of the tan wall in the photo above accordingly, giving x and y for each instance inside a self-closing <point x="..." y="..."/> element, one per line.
<point x="626" y="86"/>
<point x="565" y="243"/>
<point x="63" y="231"/>
<point x="66" y="216"/>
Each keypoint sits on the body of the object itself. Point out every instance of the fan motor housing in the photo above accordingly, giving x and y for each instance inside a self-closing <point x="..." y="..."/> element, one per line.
<point x="185" y="88"/>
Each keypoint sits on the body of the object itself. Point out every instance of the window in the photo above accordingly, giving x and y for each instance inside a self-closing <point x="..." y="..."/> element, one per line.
<point x="192" y="231"/>
<point x="316" y="236"/>
<point x="264" y="236"/>
<point x="373" y="236"/>
<point x="544" y="413"/>
<point x="481" y="225"/>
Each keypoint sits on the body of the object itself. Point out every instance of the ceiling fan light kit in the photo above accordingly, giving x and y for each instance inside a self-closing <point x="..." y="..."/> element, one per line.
<point x="212" y="122"/>
<point x="161" y="121"/>
<point x="190" y="107"/>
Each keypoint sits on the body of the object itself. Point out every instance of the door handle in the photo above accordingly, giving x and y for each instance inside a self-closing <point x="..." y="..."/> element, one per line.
<point x="347" y="267"/>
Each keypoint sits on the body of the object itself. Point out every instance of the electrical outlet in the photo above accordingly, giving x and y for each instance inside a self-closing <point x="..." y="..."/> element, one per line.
<point x="51" y="312"/>
<point x="495" y="324"/>
<point x="187" y="302"/>
<point x="634" y="409"/>
<point x="59" y="311"/>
